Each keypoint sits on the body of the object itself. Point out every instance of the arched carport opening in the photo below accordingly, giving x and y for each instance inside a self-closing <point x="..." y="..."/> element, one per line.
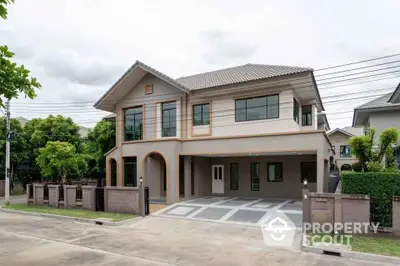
<point x="156" y="177"/>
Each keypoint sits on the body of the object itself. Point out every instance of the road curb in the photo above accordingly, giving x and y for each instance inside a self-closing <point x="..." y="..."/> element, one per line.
<point x="352" y="254"/>
<point x="61" y="217"/>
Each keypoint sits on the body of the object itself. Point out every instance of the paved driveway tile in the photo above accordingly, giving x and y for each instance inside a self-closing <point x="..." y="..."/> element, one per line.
<point x="212" y="213"/>
<point x="247" y="216"/>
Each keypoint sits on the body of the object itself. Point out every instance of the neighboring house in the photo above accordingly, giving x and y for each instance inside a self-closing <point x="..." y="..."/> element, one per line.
<point x="246" y="131"/>
<point x="340" y="143"/>
<point x="381" y="113"/>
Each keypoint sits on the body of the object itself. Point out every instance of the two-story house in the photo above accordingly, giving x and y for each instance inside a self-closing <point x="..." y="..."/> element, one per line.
<point x="381" y="113"/>
<point x="343" y="158"/>
<point x="246" y="131"/>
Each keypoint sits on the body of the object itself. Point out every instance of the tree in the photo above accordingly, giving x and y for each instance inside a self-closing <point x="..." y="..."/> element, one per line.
<point x="53" y="128"/>
<point x="363" y="148"/>
<point x="3" y="8"/>
<point x="59" y="161"/>
<point x="14" y="79"/>
<point x="101" y="140"/>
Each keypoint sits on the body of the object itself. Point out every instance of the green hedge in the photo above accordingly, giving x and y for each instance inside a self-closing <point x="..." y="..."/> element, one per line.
<point x="380" y="186"/>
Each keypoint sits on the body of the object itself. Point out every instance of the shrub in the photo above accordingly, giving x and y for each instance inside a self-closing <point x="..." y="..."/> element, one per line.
<point x="392" y="169"/>
<point x="380" y="186"/>
<point x="375" y="167"/>
<point x="357" y="167"/>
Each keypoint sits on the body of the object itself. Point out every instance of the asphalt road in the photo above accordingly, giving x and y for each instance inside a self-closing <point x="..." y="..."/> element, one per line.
<point x="27" y="240"/>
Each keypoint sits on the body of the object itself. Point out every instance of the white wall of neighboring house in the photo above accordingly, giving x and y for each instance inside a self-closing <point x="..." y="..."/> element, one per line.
<point x="384" y="120"/>
<point x="339" y="139"/>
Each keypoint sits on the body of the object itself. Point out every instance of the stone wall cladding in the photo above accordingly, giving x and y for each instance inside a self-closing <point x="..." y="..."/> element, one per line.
<point x="53" y="195"/>
<point x="122" y="199"/>
<point x="89" y="198"/>
<point x="355" y="208"/>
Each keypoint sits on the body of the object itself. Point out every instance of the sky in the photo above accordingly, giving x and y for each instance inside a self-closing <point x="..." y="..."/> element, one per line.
<point x="78" y="48"/>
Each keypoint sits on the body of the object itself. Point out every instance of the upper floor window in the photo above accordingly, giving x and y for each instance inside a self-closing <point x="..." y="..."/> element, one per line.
<point x="133" y="123"/>
<point x="265" y="107"/>
<point x="296" y="110"/>
<point x="306" y="115"/>
<point x="345" y="151"/>
<point x="201" y="114"/>
<point x="168" y="119"/>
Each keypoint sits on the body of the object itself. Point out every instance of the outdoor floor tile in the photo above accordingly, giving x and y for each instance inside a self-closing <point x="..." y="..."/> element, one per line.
<point x="212" y="213"/>
<point x="233" y="203"/>
<point x="204" y="201"/>
<point x="246" y="216"/>
<point x="291" y="207"/>
<point x="296" y="218"/>
<point x="181" y="211"/>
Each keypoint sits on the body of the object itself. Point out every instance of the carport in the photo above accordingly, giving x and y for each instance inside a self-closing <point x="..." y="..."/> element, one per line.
<point x="234" y="210"/>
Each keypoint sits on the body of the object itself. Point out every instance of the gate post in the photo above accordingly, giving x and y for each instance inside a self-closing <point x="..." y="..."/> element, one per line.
<point x="306" y="207"/>
<point x="141" y="198"/>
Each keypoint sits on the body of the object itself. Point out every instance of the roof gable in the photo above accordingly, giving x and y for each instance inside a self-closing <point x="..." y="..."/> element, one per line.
<point x="136" y="72"/>
<point x="395" y="98"/>
<point x="338" y="130"/>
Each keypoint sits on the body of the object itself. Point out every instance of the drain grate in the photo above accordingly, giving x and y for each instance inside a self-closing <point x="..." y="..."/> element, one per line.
<point x="99" y="223"/>
<point x="331" y="253"/>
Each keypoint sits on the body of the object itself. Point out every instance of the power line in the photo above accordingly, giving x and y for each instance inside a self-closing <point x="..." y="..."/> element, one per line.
<point x="302" y="78"/>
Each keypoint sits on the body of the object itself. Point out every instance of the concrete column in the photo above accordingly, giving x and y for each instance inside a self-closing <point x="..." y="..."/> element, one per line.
<point x="38" y="194"/>
<point x="53" y="195"/>
<point x="188" y="179"/>
<point x="337" y="209"/>
<point x="320" y="171"/>
<point x="27" y="193"/>
<point x="306" y="206"/>
<point x="89" y="198"/>
<point x="172" y="179"/>
<point x="141" y="199"/>
<point x="120" y="172"/>
<point x="396" y="216"/>
<point x="70" y="196"/>
<point x="108" y="172"/>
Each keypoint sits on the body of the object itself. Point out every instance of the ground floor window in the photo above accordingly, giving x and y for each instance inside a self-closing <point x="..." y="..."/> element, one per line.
<point x="275" y="172"/>
<point x="255" y="176"/>
<point x="234" y="176"/>
<point x="309" y="171"/>
<point x="130" y="172"/>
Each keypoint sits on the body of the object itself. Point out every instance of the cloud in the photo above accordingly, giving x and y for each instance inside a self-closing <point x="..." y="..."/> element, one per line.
<point x="223" y="47"/>
<point x="84" y="71"/>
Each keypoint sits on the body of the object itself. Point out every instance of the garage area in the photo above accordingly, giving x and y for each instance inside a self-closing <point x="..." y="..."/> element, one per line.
<point x="234" y="210"/>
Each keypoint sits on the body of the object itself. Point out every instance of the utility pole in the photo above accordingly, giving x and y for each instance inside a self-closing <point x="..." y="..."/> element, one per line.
<point x="8" y="137"/>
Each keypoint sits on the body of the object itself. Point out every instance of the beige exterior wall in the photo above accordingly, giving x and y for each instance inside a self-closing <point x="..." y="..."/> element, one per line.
<point x="222" y="136"/>
<point x="339" y="139"/>
<point x="291" y="187"/>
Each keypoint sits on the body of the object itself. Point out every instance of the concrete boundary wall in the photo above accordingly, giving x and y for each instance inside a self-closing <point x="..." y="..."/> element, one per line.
<point x="123" y="199"/>
<point x="336" y="208"/>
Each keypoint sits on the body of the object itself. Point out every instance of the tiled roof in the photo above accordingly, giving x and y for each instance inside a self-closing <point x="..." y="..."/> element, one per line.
<point x="238" y="74"/>
<point x="379" y="102"/>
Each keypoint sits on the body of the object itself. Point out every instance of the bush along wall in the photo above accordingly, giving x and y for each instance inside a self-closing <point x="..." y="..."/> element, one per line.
<point x="380" y="186"/>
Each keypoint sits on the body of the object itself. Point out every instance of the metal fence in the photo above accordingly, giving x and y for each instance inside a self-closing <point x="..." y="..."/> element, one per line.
<point x="61" y="193"/>
<point x="79" y="194"/>
<point x="45" y="192"/>
<point x="31" y="191"/>
<point x="381" y="210"/>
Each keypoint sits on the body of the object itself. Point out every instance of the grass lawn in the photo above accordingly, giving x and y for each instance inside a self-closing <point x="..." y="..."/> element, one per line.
<point x="78" y="213"/>
<point x="377" y="245"/>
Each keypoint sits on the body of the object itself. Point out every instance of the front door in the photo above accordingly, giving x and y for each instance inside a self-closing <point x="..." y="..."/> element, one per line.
<point x="218" y="179"/>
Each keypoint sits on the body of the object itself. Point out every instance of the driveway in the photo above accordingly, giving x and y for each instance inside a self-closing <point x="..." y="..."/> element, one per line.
<point x="229" y="210"/>
<point x="27" y="240"/>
